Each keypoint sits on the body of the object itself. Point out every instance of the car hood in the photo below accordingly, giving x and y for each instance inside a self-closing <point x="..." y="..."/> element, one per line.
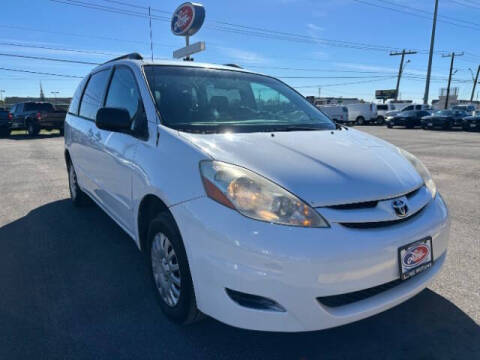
<point x="321" y="167"/>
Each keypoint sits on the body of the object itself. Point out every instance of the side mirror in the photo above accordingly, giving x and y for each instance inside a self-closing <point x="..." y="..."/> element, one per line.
<point x="113" y="119"/>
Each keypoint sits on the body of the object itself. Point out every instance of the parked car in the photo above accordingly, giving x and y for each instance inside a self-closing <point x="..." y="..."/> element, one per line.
<point x="336" y="113"/>
<point x="250" y="205"/>
<point x="5" y="118"/>
<point x="445" y="119"/>
<point x="408" y="119"/>
<point x="409" y="107"/>
<point x="362" y="113"/>
<point x="471" y="123"/>
<point x="382" y="110"/>
<point x="469" y="109"/>
<point x="34" y="116"/>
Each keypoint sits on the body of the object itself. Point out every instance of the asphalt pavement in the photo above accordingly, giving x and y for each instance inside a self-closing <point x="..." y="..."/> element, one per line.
<point x="74" y="286"/>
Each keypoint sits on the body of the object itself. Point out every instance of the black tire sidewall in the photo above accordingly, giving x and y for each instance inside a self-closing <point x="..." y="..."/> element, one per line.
<point x="182" y="312"/>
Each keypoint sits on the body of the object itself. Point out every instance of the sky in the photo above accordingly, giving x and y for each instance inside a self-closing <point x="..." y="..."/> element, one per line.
<point x="332" y="47"/>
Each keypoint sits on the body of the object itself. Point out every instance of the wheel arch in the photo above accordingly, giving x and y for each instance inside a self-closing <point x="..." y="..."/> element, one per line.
<point x="150" y="206"/>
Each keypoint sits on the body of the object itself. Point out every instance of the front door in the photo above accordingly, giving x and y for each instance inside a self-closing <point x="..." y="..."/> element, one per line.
<point x="117" y="159"/>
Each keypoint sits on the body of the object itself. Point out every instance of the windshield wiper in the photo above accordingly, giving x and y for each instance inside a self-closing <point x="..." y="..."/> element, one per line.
<point x="297" y="128"/>
<point x="340" y="127"/>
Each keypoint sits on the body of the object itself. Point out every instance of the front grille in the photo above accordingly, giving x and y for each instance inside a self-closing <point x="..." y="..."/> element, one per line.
<point x="362" y="205"/>
<point x="380" y="224"/>
<point x="369" y="204"/>
<point x="348" y="298"/>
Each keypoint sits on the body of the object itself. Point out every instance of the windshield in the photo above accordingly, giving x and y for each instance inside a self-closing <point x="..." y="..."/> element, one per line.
<point x="211" y="100"/>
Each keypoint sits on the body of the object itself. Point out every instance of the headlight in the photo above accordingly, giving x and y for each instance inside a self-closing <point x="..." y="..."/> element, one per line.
<point x="422" y="171"/>
<point x="256" y="197"/>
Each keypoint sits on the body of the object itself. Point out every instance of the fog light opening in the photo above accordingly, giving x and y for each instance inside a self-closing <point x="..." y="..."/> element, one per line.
<point x="254" y="301"/>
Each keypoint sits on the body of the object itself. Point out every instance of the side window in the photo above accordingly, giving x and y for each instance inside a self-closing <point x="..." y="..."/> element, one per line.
<point x="123" y="92"/>
<point x="12" y="110"/>
<point x="408" y="108"/>
<point x="92" y="99"/>
<point x="74" y="104"/>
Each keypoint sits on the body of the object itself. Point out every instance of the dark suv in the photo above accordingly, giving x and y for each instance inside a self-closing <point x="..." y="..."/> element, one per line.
<point x="34" y="116"/>
<point x="5" y="117"/>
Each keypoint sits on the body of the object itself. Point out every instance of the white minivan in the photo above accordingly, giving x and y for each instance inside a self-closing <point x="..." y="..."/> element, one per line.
<point x="250" y="205"/>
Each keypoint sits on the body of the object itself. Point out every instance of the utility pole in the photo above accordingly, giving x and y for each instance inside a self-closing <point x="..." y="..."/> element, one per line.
<point x="1" y="97"/>
<point x="151" y="37"/>
<point x="432" y="45"/>
<point x="400" y="70"/>
<point x="452" y="55"/>
<point x="475" y="83"/>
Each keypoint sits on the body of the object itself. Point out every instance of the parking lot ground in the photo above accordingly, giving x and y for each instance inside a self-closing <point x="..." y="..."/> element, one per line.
<point x="74" y="286"/>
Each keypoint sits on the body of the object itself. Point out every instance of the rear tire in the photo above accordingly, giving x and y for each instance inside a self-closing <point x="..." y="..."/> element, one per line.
<point x="79" y="198"/>
<point x="360" y="120"/>
<point x="32" y="129"/>
<point x="389" y="125"/>
<point x="170" y="272"/>
<point x="380" y="120"/>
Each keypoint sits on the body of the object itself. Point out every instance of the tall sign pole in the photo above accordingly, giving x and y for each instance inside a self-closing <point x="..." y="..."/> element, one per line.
<point x="186" y="21"/>
<point x="400" y="70"/>
<point x="452" y="55"/>
<point x="430" y="56"/>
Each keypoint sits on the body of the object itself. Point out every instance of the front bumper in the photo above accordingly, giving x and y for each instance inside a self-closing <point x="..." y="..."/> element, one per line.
<point x="295" y="266"/>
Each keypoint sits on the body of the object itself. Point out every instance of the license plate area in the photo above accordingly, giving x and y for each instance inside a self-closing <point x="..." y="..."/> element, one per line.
<point x="415" y="258"/>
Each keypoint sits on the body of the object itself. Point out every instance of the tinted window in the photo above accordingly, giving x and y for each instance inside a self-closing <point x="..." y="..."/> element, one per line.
<point x="73" y="109"/>
<point x="92" y="99"/>
<point x="123" y="92"/>
<point x="200" y="99"/>
<point x="382" y="107"/>
<point x="408" y="108"/>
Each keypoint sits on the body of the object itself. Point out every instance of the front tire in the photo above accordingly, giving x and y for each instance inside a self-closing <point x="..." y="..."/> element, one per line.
<point x="360" y="120"/>
<point x="170" y="272"/>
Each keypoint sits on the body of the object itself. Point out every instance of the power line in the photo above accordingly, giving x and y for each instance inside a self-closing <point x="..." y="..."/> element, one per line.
<point x="42" y="73"/>
<point x="408" y="12"/>
<point x="50" y="59"/>
<point x="242" y="29"/>
<point x="56" y="48"/>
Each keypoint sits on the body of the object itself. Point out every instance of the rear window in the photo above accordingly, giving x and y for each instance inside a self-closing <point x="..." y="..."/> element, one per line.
<point x="92" y="99"/>
<point x="74" y="104"/>
<point x="44" y="107"/>
<point x="382" y="107"/>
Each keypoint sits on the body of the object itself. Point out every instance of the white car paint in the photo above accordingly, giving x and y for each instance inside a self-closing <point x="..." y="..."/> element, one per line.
<point x="290" y="265"/>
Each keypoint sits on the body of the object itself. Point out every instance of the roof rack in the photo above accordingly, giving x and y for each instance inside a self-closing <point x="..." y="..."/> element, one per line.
<point x="131" y="56"/>
<point x="233" y="65"/>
